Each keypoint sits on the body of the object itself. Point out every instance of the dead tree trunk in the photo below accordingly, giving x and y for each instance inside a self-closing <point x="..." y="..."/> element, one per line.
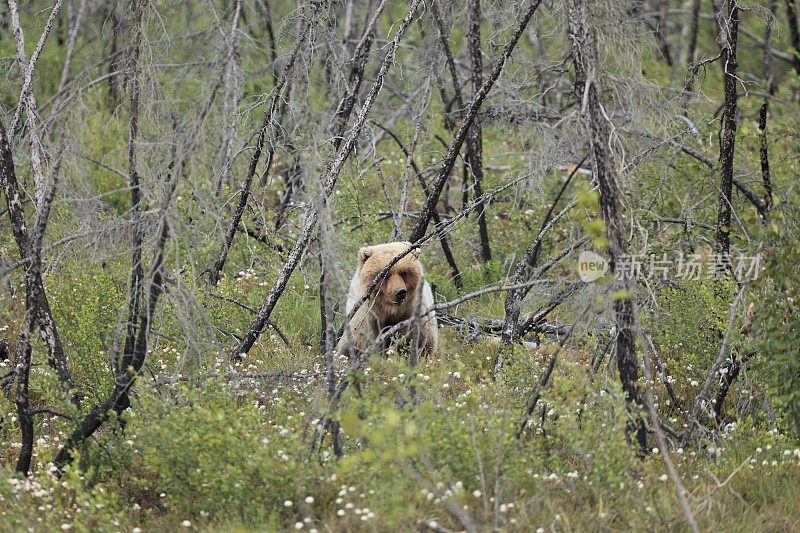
<point x="732" y="369"/>
<point x="137" y="273"/>
<point x="474" y="156"/>
<point x="475" y="140"/>
<point x="466" y="121"/>
<point x="587" y="88"/>
<point x="264" y="6"/>
<point x="37" y="307"/>
<point x="23" y="371"/>
<point x="231" y="95"/>
<point x="354" y="79"/>
<point x="728" y="23"/>
<point x="29" y="245"/>
<point x="131" y="362"/>
<point x="691" y="48"/>
<point x="762" y="120"/>
<point x="444" y="38"/>
<point x="764" y="156"/>
<point x="73" y="35"/>
<point x="327" y="341"/>
<point x="344" y="110"/>
<point x="22" y="361"/>
<point x="458" y="101"/>
<point x="114" y="57"/>
<point x="794" y="32"/>
<point x="27" y="98"/>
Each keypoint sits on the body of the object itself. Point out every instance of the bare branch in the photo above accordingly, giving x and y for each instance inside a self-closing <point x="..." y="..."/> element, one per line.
<point x="266" y="125"/>
<point x="328" y="184"/>
<point x="469" y="115"/>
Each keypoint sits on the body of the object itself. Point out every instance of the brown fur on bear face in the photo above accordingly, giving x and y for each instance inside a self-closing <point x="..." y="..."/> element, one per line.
<point x="397" y="293"/>
<point x="402" y="293"/>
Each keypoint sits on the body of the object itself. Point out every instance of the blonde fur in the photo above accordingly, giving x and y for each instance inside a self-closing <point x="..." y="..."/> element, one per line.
<point x="381" y="310"/>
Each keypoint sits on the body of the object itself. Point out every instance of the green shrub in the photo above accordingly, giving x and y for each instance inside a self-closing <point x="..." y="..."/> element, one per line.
<point x="219" y="457"/>
<point x="687" y="326"/>
<point x="777" y="324"/>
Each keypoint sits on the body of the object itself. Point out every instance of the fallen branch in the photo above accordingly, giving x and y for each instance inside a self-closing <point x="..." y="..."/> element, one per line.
<point x="492" y="327"/>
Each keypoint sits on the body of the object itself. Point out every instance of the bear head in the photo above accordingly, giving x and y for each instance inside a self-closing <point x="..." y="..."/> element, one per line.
<point x="403" y="280"/>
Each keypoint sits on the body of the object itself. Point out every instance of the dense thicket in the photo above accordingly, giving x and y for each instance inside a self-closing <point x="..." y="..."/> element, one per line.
<point x="184" y="188"/>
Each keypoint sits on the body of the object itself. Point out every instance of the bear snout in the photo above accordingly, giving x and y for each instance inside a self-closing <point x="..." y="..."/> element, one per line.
<point x="400" y="296"/>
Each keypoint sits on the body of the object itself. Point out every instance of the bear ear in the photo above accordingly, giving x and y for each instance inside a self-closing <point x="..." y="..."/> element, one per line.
<point x="364" y="254"/>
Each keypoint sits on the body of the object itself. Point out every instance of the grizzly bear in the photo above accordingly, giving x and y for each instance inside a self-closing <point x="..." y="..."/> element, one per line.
<point x="402" y="294"/>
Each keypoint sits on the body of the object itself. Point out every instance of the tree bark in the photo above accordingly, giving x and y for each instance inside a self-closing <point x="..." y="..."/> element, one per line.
<point x="764" y="156"/>
<point x="728" y="23"/>
<point x="587" y="88"/>
<point x="475" y="139"/>
<point x="29" y="246"/>
<point x="732" y="370"/>
<point x="137" y="272"/>
<point x="794" y="32"/>
<point x="114" y="57"/>
<point x="762" y="119"/>
<point x="691" y="48"/>
<point x="231" y="94"/>
<point x="36" y="305"/>
<point x="23" y="371"/>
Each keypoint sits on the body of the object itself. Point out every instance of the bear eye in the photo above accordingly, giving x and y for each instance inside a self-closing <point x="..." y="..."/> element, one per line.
<point x="404" y="274"/>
